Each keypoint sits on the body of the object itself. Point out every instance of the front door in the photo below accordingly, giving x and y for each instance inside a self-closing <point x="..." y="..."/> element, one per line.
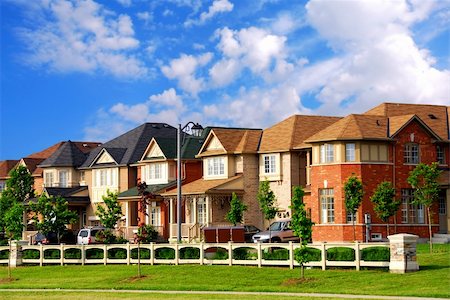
<point x="443" y="213"/>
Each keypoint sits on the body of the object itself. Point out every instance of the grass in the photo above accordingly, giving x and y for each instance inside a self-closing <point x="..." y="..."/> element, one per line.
<point x="431" y="281"/>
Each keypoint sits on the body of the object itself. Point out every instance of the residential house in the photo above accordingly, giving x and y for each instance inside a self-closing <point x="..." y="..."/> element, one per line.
<point x="5" y="167"/>
<point x="384" y="144"/>
<point x="230" y="165"/>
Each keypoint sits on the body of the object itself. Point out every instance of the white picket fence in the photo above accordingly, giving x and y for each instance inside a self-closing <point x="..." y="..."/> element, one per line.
<point x="204" y="259"/>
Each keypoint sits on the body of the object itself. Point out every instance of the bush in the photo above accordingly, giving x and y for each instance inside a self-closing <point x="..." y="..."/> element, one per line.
<point x="220" y="254"/>
<point x="340" y="254"/>
<point x="276" y="254"/>
<point x="375" y="254"/>
<point x="144" y="253"/>
<point x="105" y="237"/>
<point x="147" y="234"/>
<point x="313" y="254"/>
<point x="31" y="254"/>
<point x="72" y="253"/>
<point x="241" y="253"/>
<point x="165" y="253"/>
<point x="94" y="253"/>
<point x="117" y="253"/>
<point x="3" y="242"/>
<point x="52" y="254"/>
<point x="4" y="254"/>
<point x="189" y="253"/>
<point x="121" y="240"/>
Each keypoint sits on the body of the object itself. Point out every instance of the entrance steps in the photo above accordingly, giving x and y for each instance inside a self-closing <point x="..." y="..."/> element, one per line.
<point x="440" y="238"/>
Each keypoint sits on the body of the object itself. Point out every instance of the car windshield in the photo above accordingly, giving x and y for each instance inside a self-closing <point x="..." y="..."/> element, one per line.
<point x="83" y="233"/>
<point x="276" y="226"/>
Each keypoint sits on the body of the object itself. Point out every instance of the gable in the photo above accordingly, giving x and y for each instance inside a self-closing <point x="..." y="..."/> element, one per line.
<point x="214" y="144"/>
<point x="104" y="158"/>
<point x="153" y="151"/>
<point x="415" y="122"/>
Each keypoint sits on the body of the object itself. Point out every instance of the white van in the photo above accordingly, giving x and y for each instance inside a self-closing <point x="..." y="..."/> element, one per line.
<point x="87" y="235"/>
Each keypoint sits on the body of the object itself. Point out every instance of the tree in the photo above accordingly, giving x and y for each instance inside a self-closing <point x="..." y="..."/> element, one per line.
<point x="52" y="215"/>
<point x="237" y="208"/>
<point x="267" y="201"/>
<point x="13" y="228"/>
<point x="353" y="189"/>
<point x="424" y="181"/>
<point x="301" y="226"/>
<point x="385" y="205"/>
<point x="110" y="215"/>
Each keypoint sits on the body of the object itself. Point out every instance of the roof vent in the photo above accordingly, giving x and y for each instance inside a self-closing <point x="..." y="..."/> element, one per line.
<point x="155" y="126"/>
<point x="85" y="145"/>
<point x="431" y="116"/>
<point x="378" y="122"/>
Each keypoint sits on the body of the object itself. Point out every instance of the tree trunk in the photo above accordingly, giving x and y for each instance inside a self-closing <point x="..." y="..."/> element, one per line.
<point x="302" y="271"/>
<point x="395" y="224"/>
<point x="354" y="229"/>
<point x="139" y="258"/>
<point x="9" y="260"/>
<point x="387" y="233"/>
<point x="429" y="228"/>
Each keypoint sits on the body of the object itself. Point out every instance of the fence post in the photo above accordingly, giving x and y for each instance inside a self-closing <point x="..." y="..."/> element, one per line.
<point x="202" y="253"/>
<point x="41" y="257"/>
<point x="230" y="253"/>
<point x="259" y="255"/>
<point x="324" y="257"/>
<point x="291" y="255"/>
<point x="105" y="254"/>
<point x="128" y="254"/>
<point x="83" y="255"/>
<point x="62" y="254"/>
<point x="177" y="254"/>
<point x="152" y="253"/>
<point x="357" y="256"/>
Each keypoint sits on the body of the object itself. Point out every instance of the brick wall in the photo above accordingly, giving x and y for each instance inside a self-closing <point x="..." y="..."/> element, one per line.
<point x="253" y="214"/>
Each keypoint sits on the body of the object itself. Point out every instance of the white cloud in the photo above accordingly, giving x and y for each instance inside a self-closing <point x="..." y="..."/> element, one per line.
<point x="84" y="37"/>
<point x="126" y="3"/>
<point x="286" y="23"/>
<point x="184" y="68"/>
<point x="218" y="6"/>
<point x="168" y="98"/>
<point x="145" y="16"/>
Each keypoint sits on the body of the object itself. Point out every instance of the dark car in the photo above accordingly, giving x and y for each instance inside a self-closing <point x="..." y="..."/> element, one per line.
<point x="249" y="231"/>
<point x="52" y="238"/>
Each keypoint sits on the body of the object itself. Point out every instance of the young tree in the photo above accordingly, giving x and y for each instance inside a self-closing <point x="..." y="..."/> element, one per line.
<point x="301" y="226"/>
<point x="385" y="205"/>
<point x="111" y="214"/>
<point x="237" y="208"/>
<point x="52" y="215"/>
<point x="267" y="201"/>
<point x="353" y="189"/>
<point x="424" y="180"/>
<point x="13" y="228"/>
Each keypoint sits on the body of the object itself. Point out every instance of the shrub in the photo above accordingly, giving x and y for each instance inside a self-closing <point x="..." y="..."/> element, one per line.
<point x="276" y="254"/>
<point x="52" y="254"/>
<point x="72" y="253"/>
<point x="147" y="234"/>
<point x="117" y="253"/>
<point x="220" y="254"/>
<point x="144" y="253"/>
<point x="340" y="254"/>
<point x="165" y="253"/>
<point x="375" y="254"/>
<point x="4" y="254"/>
<point x="94" y="253"/>
<point x="312" y="253"/>
<point x="3" y="242"/>
<point x="241" y="253"/>
<point x="105" y="237"/>
<point x="31" y="254"/>
<point x="189" y="253"/>
<point x="121" y="240"/>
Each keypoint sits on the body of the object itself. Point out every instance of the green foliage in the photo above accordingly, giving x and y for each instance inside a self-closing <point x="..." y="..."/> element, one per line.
<point x="4" y="254"/>
<point x="220" y="254"/>
<point x="94" y="253"/>
<point x="375" y="254"/>
<point x="236" y="213"/>
<point x="276" y="254"/>
<point x="341" y="254"/>
<point x="385" y="205"/>
<point x="111" y="213"/>
<point x="52" y="215"/>
<point x="105" y="237"/>
<point x="14" y="221"/>
<point x="31" y="254"/>
<point x="144" y="253"/>
<point x="165" y="253"/>
<point x="267" y="200"/>
<point x="52" y="254"/>
<point x="244" y="253"/>
<point x="147" y="234"/>
<point x="72" y="253"/>
<point x="423" y="179"/>
<point x="353" y="189"/>
<point x="189" y="253"/>
<point x="117" y="253"/>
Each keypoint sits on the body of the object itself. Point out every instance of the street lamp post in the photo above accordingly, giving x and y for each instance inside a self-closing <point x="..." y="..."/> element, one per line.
<point x="196" y="131"/>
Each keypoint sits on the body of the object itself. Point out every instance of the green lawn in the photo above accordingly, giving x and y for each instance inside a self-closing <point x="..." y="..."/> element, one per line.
<point x="431" y="281"/>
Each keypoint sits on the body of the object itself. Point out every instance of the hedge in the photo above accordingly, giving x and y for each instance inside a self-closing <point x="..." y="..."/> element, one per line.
<point x="376" y="254"/>
<point x="4" y="254"/>
<point x="341" y="254"/>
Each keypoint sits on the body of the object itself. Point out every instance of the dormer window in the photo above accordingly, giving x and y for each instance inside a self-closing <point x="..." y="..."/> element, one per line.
<point x="411" y="153"/>
<point x="216" y="166"/>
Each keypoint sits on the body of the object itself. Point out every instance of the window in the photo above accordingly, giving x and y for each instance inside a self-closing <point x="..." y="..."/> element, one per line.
<point x="216" y="166"/>
<point x="350" y="152"/>
<point x="442" y="205"/>
<point x="82" y="176"/>
<point x="270" y="164"/>
<point x="411" y="153"/>
<point x="155" y="216"/>
<point x="326" y="153"/>
<point x="48" y="178"/>
<point x="440" y="155"/>
<point x="327" y="205"/>
<point x="2" y="186"/>
<point x="155" y="171"/>
<point x="105" y="177"/>
<point x="351" y="217"/>
<point x="201" y="211"/>
<point x="63" y="175"/>
<point x="411" y="213"/>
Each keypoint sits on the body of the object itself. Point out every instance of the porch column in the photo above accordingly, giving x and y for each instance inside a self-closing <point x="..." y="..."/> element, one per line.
<point x="194" y="208"/>
<point x="171" y="216"/>
<point x="207" y="211"/>
<point x="127" y="209"/>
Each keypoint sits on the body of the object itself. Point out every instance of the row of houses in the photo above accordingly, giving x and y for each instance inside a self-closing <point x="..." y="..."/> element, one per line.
<point x="316" y="152"/>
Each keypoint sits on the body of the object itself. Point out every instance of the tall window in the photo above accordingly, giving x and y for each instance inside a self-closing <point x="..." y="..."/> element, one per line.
<point x="442" y="205"/>
<point x="411" y="153"/>
<point x="440" y="154"/>
<point x="48" y="178"/>
<point x="350" y="152"/>
<point x="326" y="153"/>
<point x="63" y="177"/>
<point x="155" y="216"/>
<point x="105" y="177"/>
<point x="351" y="217"/>
<point x="82" y="176"/>
<point x="327" y="205"/>
<point x="155" y="171"/>
<point x="216" y="166"/>
<point x="201" y="212"/>
<point x="411" y="213"/>
<point x="270" y="164"/>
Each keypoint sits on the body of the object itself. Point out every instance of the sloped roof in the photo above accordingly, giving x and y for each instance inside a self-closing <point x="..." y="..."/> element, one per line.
<point x="64" y="192"/>
<point x="235" y="140"/>
<point x="32" y="163"/>
<point x="152" y="188"/>
<point x="68" y="155"/>
<point x="202" y="186"/>
<point x="354" y="127"/>
<point x="133" y="143"/>
<point x="436" y="117"/>
<point x="6" y="166"/>
<point x="292" y="132"/>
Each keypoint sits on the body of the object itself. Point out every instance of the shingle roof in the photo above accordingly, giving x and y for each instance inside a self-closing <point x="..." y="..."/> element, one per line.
<point x="153" y="188"/>
<point x="236" y="140"/>
<point x="292" y="132"/>
<point x="436" y="117"/>
<point x="6" y="166"/>
<point x="69" y="194"/>
<point x="202" y="186"/>
<point x="134" y="143"/>
<point x="68" y="155"/>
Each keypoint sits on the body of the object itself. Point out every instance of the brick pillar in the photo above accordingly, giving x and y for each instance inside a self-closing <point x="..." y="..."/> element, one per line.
<point x="403" y="253"/>
<point x="16" y="253"/>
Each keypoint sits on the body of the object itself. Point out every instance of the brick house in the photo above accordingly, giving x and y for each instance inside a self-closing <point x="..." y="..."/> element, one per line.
<point x="5" y="167"/>
<point x="230" y="164"/>
<point x="384" y="144"/>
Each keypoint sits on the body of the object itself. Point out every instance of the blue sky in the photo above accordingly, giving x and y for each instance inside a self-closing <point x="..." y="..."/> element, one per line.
<point x="91" y="70"/>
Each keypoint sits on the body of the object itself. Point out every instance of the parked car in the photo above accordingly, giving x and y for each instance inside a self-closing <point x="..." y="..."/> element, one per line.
<point x="87" y="235"/>
<point x="249" y="231"/>
<point x="278" y="231"/>
<point x="68" y="237"/>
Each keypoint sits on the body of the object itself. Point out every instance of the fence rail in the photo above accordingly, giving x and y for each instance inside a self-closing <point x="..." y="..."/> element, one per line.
<point x="205" y="250"/>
